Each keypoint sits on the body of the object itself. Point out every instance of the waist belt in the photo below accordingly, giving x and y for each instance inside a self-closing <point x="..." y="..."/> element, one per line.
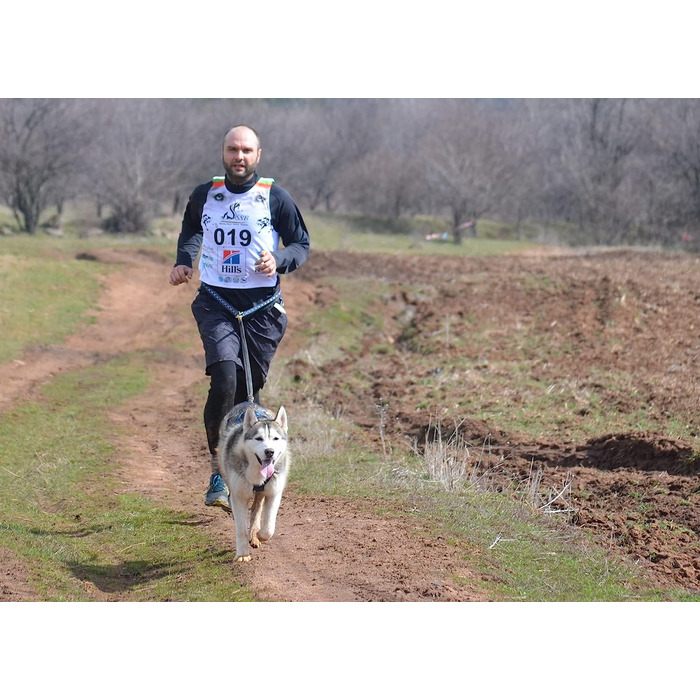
<point x="240" y="315"/>
<point x="233" y="311"/>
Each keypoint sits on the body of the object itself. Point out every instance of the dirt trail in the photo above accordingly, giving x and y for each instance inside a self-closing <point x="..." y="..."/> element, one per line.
<point x="324" y="549"/>
<point x="634" y="315"/>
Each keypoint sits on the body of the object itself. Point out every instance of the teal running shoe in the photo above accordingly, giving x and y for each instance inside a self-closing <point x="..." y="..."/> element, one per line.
<point x="217" y="495"/>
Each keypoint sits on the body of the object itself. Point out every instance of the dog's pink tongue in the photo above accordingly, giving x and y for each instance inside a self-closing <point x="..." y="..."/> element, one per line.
<point x="268" y="469"/>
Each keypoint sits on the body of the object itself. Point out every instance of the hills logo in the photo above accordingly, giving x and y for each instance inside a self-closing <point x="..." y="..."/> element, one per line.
<point x="231" y="262"/>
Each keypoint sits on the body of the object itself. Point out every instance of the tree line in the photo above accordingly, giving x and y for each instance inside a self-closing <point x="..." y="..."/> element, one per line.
<point x="612" y="171"/>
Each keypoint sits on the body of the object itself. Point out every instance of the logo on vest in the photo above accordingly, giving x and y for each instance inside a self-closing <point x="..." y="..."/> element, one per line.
<point x="233" y="213"/>
<point x="231" y="262"/>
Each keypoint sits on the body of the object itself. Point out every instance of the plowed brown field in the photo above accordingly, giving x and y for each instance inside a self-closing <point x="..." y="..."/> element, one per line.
<point x="630" y="316"/>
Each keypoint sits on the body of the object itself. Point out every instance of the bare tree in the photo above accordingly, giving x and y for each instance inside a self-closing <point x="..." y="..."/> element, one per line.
<point x="619" y="170"/>
<point x="144" y="152"/>
<point x="538" y="189"/>
<point x="599" y="137"/>
<point x="313" y="143"/>
<point x="42" y="142"/>
<point x="469" y="166"/>
<point x="387" y="175"/>
<point x="675" y="126"/>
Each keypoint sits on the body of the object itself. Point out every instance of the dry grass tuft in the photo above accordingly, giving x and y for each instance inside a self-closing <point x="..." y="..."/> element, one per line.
<point x="457" y="464"/>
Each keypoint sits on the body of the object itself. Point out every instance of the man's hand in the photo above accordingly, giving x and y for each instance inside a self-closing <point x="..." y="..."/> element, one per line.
<point x="266" y="265"/>
<point x="180" y="274"/>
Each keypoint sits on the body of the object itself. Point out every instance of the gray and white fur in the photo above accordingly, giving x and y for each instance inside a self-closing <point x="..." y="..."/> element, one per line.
<point x="253" y="453"/>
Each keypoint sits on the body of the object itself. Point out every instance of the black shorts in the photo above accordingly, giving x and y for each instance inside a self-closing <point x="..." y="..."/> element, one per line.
<point x="221" y="339"/>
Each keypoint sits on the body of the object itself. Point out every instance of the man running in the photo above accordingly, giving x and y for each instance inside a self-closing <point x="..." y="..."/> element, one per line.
<point x="237" y="222"/>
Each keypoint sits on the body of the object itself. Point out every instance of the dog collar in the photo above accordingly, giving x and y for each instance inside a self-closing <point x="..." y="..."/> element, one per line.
<point x="261" y="487"/>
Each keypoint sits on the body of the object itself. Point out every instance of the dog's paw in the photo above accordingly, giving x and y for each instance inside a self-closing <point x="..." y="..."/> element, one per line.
<point x="254" y="541"/>
<point x="264" y="535"/>
<point x="243" y="557"/>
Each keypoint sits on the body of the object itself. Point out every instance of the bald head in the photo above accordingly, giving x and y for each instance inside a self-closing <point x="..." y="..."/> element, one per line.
<point x="243" y="129"/>
<point x="241" y="154"/>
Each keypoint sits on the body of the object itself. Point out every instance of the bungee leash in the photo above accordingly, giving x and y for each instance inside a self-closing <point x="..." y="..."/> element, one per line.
<point x="240" y="315"/>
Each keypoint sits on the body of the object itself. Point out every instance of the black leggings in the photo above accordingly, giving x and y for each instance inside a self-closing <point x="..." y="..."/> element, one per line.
<point x="227" y="389"/>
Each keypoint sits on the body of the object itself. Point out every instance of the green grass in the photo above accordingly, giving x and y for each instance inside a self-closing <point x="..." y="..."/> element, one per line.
<point x="505" y="393"/>
<point x="521" y="555"/>
<point x="67" y="518"/>
<point x="46" y="293"/>
<point x="339" y="328"/>
<point x="64" y="513"/>
<point x="531" y="558"/>
<point x="43" y="300"/>
<point x="329" y="232"/>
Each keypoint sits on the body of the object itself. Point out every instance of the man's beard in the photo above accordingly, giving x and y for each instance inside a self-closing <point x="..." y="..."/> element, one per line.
<point x="240" y="177"/>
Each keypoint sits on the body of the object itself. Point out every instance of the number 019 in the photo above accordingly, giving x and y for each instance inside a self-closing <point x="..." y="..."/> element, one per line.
<point x="243" y="237"/>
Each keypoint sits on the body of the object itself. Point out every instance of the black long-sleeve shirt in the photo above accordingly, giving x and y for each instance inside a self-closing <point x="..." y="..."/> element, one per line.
<point x="286" y="220"/>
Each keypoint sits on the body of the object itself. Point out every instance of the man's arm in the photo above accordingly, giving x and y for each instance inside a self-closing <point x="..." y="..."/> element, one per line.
<point x="289" y="223"/>
<point x="190" y="240"/>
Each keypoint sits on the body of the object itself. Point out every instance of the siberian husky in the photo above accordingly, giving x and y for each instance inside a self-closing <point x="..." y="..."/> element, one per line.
<point x="254" y="463"/>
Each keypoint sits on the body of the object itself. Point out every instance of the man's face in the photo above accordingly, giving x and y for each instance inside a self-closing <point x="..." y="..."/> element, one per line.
<point x="241" y="155"/>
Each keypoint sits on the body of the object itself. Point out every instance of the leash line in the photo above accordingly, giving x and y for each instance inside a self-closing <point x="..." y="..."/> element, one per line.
<point x="246" y="362"/>
<point x="239" y="316"/>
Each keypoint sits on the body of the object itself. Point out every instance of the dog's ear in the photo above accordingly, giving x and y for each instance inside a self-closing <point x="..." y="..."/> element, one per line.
<point x="249" y="418"/>
<point x="281" y="418"/>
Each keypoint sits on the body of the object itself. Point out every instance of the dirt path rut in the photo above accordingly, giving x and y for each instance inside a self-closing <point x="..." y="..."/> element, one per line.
<point x="324" y="549"/>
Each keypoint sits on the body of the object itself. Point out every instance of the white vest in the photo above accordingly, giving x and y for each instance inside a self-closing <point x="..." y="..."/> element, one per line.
<point x="237" y="228"/>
